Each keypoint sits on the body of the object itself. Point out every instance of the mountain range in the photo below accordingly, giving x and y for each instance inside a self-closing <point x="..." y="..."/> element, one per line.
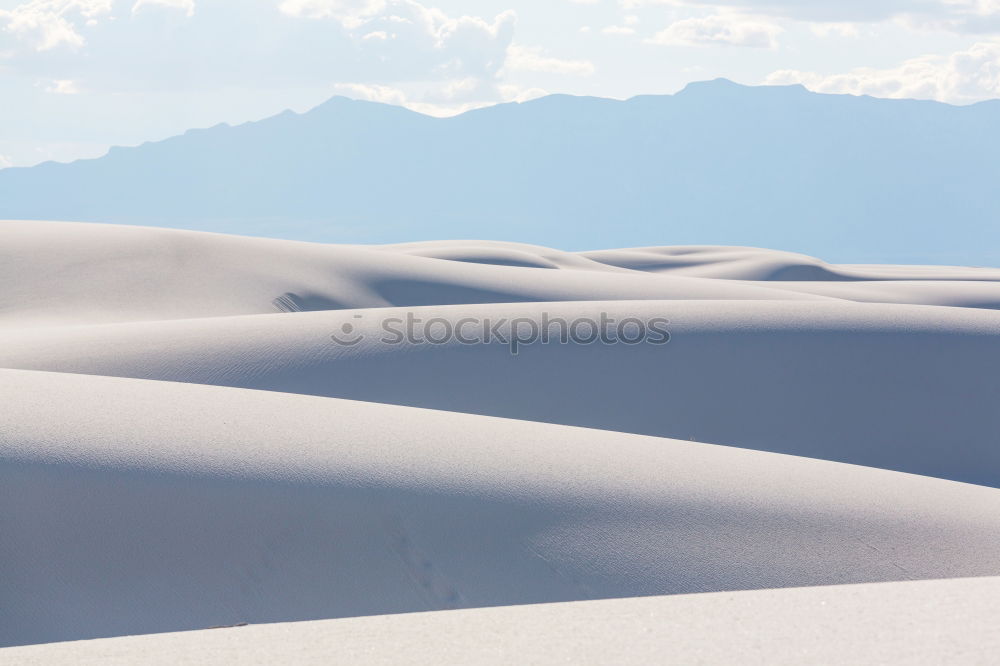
<point x="845" y="178"/>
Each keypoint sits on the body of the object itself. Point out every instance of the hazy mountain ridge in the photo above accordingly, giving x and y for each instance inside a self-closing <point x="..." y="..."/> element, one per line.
<point x="715" y="163"/>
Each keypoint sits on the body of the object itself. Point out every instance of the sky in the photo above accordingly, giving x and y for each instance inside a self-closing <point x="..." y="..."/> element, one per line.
<point x="77" y="76"/>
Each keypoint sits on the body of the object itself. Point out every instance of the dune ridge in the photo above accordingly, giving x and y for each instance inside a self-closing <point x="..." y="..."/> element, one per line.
<point x="59" y="273"/>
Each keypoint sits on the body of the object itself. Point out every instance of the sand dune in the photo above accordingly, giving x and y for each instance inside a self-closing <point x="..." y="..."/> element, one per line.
<point x="926" y="622"/>
<point x="72" y="273"/>
<point x="296" y="461"/>
<point x="133" y="506"/>
<point x="909" y="388"/>
<point x="750" y="263"/>
<point x="76" y="273"/>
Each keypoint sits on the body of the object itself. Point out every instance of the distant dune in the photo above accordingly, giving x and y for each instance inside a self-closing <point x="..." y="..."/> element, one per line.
<point x="203" y="430"/>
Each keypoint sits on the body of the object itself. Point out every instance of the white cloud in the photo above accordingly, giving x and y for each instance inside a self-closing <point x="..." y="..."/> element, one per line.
<point x="446" y="99"/>
<point x="187" y="6"/>
<point x="46" y="24"/>
<point x="5" y="162"/>
<point x="513" y="93"/>
<point x="963" y="16"/>
<point x="63" y="87"/>
<point x="258" y="43"/>
<point x="372" y="93"/>
<point x="960" y="78"/>
<point x="416" y="25"/>
<point x="349" y="12"/>
<point x="404" y="40"/>
<point x="852" y="30"/>
<point x="629" y="21"/>
<point x="441" y="106"/>
<point x="533" y="59"/>
<point x="730" y="29"/>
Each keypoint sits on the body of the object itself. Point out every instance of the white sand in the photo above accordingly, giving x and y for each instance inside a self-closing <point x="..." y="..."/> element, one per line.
<point x="909" y="388"/>
<point x="926" y="622"/>
<point x="61" y="273"/>
<point x="246" y="488"/>
<point x="157" y="506"/>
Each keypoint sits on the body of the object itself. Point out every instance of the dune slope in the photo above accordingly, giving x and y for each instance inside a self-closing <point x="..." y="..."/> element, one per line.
<point x="909" y="388"/>
<point x="926" y="622"/>
<point x="131" y="506"/>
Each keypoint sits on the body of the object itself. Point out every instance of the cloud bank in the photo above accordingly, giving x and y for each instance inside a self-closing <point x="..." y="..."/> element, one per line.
<point x="963" y="77"/>
<point x="142" y="45"/>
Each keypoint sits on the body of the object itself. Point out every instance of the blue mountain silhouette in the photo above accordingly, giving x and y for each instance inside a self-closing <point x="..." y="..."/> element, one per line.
<point x="846" y="178"/>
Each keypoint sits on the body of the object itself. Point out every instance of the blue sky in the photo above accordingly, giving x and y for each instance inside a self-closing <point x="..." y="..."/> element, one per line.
<point x="79" y="75"/>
